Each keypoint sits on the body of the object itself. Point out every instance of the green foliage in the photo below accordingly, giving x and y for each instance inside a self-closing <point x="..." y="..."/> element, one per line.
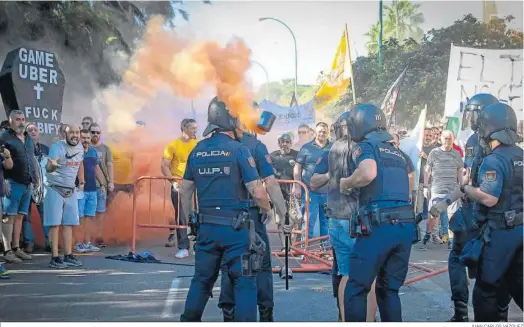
<point x="401" y="21"/>
<point x="426" y="78"/>
<point x="282" y="92"/>
<point x="84" y="29"/>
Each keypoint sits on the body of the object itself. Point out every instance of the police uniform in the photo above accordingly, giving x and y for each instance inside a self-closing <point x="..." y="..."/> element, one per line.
<point x="220" y="167"/>
<point x="385" y="226"/>
<point x="461" y="223"/>
<point x="264" y="277"/>
<point x="501" y="176"/>
<point x="340" y="207"/>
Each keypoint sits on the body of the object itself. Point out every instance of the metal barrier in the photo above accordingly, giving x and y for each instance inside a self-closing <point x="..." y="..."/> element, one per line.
<point x="150" y="224"/>
<point x="309" y="260"/>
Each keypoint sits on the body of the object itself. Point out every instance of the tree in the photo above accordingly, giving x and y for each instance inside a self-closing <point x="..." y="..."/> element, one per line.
<point x="426" y="79"/>
<point x="85" y="30"/>
<point x="402" y="22"/>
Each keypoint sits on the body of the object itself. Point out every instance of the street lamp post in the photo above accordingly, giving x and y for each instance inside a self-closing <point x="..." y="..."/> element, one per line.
<point x="267" y="77"/>
<point x="294" y="41"/>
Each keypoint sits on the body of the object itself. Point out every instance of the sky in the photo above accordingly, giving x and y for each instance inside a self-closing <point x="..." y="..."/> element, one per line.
<point x="317" y="25"/>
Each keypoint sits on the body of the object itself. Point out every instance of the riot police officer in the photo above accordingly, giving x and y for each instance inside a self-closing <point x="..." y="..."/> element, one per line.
<point x="498" y="212"/>
<point x="461" y="224"/>
<point x="265" y="276"/>
<point x="224" y="174"/>
<point x="332" y="166"/>
<point x="384" y="225"/>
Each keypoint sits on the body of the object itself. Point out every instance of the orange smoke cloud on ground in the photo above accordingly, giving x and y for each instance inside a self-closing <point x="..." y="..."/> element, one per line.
<point x="185" y="68"/>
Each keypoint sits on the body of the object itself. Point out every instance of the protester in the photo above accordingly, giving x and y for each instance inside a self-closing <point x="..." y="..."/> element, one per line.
<point x="304" y="136"/>
<point x="305" y="164"/>
<point x="37" y="196"/>
<point x="123" y="158"/>
<point x="106" y="164"/>
<point x="18" y="183"/>
<point x="63" y="167"/>
<point x="7" y="163"/>
<point x="87" y="199"/>
<point x="87" y="121"/>
<point x="444" y="166"/>
<point x="174" y="165"/>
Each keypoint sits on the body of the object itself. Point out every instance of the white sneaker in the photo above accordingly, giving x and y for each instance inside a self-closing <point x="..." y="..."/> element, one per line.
<point x="80" y="248"/>
<point x="91" y="247"/>
<point x="182" y="254"/>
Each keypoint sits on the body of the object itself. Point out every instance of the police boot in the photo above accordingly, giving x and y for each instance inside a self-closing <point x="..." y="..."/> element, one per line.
<point x="229" y="313"/>
<point x="461" y="312"/>
<point x="503" y="314"/>
<point x="266" y="314"/>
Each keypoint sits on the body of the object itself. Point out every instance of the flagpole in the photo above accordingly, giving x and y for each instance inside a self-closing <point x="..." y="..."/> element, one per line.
<point x="351" y="68"/>
<point x="419" y="163"/>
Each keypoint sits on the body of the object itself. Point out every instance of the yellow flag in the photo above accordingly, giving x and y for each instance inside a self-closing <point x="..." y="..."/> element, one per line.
<point x="336" y="82"/>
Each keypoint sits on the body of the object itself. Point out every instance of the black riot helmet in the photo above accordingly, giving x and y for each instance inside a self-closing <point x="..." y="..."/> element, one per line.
<point x="367" y="118"/>
<point x="219" y="118"/>
<point x="498" y="121"/>
<point x="340" y="124"/>
<point x="473" y="107"/>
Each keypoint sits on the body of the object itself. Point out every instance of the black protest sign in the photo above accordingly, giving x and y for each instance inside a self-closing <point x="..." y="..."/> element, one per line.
<point x="31" y="81"/>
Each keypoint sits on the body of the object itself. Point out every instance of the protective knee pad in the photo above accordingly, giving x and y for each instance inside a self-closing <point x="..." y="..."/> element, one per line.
<point x="228" y="311"/>
<point x="266" y="314"/>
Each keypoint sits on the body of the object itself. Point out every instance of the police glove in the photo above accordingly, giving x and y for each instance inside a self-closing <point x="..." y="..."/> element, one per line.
<point x="267" y="217"/>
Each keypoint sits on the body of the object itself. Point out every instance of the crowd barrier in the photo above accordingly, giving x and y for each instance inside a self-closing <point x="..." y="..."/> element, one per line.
<point x="306" y="255"/>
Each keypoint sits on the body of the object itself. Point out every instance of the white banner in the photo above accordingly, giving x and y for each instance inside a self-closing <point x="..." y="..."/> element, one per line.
<point x="289" y="118"/>
<point x="472" y="71"/>
<point x="412" y="145"/>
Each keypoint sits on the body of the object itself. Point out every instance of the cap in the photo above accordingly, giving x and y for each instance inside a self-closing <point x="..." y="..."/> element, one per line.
<point x="285" y="137"/>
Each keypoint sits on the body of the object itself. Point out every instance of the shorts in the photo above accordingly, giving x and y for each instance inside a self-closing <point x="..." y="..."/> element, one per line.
<point x="342" y="243"/>
<point x="100" y="201"/>
<point x="59" y="210"/>
<point x="18" y="201"/>
<point x="87" y="204"/>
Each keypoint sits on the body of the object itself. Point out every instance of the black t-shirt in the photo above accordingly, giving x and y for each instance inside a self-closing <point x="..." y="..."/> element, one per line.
<point x="411" y="168"/>
<point x="427" y="150"/>
<point x="22" y="154"/>
<point x="283" y="164"/>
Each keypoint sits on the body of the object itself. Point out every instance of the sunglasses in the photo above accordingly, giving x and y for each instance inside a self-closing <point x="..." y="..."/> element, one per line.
<point x="96" y="133"/>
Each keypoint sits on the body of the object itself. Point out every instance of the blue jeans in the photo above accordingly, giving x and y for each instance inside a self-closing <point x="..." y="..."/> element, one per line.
<point x="316" y="210"/>
<point x="443" y="217"/>
<point x="27" y="226"/>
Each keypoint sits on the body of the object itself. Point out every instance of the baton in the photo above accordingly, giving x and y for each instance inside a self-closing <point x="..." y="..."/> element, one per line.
<point x="286" y="252"/>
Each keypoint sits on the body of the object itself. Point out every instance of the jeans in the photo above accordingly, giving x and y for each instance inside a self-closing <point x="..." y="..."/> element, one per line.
<point x="316" y="210"/>
<point x="27" y="226"/>
<point x="443" y="217"/>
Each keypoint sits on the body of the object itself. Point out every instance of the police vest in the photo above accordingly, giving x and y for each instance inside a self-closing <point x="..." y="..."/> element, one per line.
<point x="340" y="206"/>
<point x="511" y="196"/>
<point x="391" y="182"/>
<point x="217" y="175"/>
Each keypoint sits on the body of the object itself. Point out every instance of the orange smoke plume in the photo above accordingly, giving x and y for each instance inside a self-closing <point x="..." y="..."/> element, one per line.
<point x="186" y="68"/>
<point x="166" y="63"/>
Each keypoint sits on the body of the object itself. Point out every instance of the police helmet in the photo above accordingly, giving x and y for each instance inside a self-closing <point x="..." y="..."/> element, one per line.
<point x="474" y="106"/>
<point x="338" y="125"/>
<point x="219" y="118"/>
<point x="367" y="118"/>
<point x="498" y="122"/>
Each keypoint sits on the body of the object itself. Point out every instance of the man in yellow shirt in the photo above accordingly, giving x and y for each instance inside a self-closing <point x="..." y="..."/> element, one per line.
<point x="174" y="164"/>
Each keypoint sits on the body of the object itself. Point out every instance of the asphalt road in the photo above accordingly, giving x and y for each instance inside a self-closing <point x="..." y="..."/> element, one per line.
<point x="109" y="290"/>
